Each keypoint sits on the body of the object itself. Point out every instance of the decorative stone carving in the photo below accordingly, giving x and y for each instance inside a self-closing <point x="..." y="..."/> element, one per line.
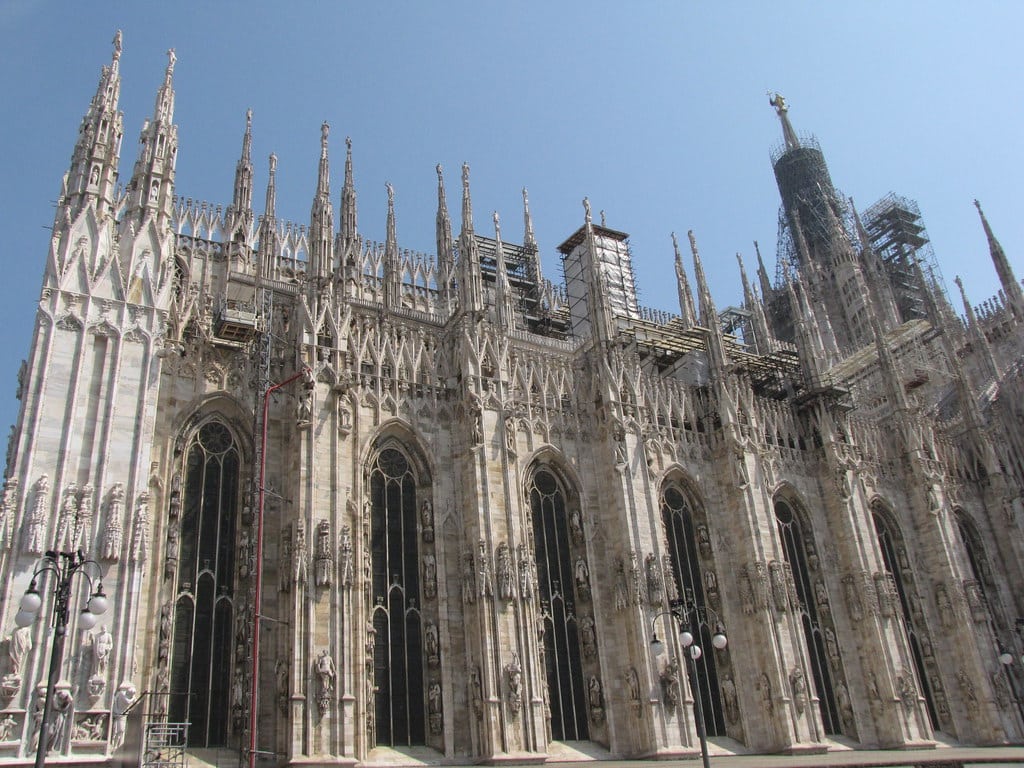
<point x="324" y="559"/>
<point x="505" y="575"/>
<point x="284" y="570"/>
<point x="621" y="586"/>
<point x="813" y="562"/>
<point x="468" y="578"/>
<point x="514" y="679"/>
<point x="113" y="534"/>
<point x="945" y="607"/>
<point x="1000" y="687"/>
<point x="853" y="600"/>
<point x="581" y="575"/>
<point x="82" y="534"/>
<point x="655" y="580"/>
<point x="174" y="501"/>
<point x="671" y="593"/>
<point x="975" y="601"/>
<point x="967" y="692"/>
<point x="711" y="586"/>
<point x="703" y="540"/>
<point x="576" y="526"/>
<point x="140" y="529"/>
<point x="845" y="706"/>
<point x="173" y="546"/>
<point x="35" y="531"/>
<point x="831" y="647"/>
<point x="346" y="556"/>
<point x="281" y="684"/>
<point x="102" y="645"/>
<point x="595" y="700"/>
<point x="906" y="690"/>
<point x="299" y="554"/>
<point x="8" y="508"/>
<point x="476" y="693"/>
<point x="90" y="728"/>
<point x="164" y="637"/>
<point x="636" y="580"/>
<point x="8" y="728"/>
<point x="791" y="593"/>
<point x="759" y="579"/>
<point x="780" y="595"/>
<point x="633" y="687"/>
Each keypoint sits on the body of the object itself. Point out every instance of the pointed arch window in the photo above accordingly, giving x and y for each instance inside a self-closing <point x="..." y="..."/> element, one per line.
<point x="562" y="659"/>
<point x="793" y="535"/>
<point x="398" y="660"/>
<point x="204" y="607"/>
<point x="890" y="541"/>
<point x="678" y="513"/>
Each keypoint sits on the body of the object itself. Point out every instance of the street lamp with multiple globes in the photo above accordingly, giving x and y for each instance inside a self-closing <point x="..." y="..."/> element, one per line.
<point x="64" y="566"/>
<point x="681" y="611"/>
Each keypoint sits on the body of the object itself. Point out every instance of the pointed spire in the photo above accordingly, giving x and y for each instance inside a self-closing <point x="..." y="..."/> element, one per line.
<point x="778" y="101"/>
<point x="977" y="335"/>
<point x="321" y="228"/>
<point x="445" y="245"/>
<point x="268" y="224"/>
<point x="240" y="212"/>
<point x="503" y="299"/>
<point x="530" y="244"/>
<point x="392" y="264"/>
<point x="758" y="321"/>
<point x="708" y="314"/>
<point x="151" y="189"/>
<point x="1011" y="287"/>
<point x="349" y="224"/>
<point x="808" y="343"/>
<point x="92" y="175"/>
<point x="467" y="203"/>
<point x="686" y="310"/>
<point x="762" y="274"/>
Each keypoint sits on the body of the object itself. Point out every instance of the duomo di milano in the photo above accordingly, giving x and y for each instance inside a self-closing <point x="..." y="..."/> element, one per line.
<point x="483" y="495"/>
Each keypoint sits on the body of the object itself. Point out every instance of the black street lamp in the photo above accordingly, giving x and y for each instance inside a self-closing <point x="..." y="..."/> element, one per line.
<point x="64" y="566"/>
<point x="681" y="611"/>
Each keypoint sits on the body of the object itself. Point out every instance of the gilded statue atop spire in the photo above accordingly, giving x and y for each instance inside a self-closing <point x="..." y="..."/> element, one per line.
<point x="778" y="101"/>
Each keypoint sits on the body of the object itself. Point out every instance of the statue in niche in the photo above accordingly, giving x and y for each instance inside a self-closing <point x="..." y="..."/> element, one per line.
<point x="576" y="526"/>
<point x="429" y="576"/>
<point x="102" y="645"/>
<point x="831" y="646"/>
<point x="171" y="561"/>
<point x="484" y="570"/>
<point x="588" y="637"/>
<point x="299" y="554"/>
<point x="633" y="686"/>
<point x="595" y="698"/>
<point x="967" y="691"/>
<point x="427" y="520"/>
<point x="779" y="592"/>
<point x="18" y="647"/>
<point x="476" y="692"/>
<point x="83" y="535"/>
<point x="510" y="434"/>
<point x="760" y="583"/>
<point x="140" y="529"/>
<point x="431" y="645"/>
<point x="174" y="506"/>
<point x="514" y="676"/>
<point x="61" y="708"/>
<point x="845" y="706"/>
<point x="284" y="576"/>
<point x="7" y="728"/>
<point x="8" y="507"/>
<point x="798" y="685"/>
<point x="906" y="690"/>
<point x="505" y="578"/>
<point x="346" y="556"/>
<point x="730" y="700"/>
<point x="853" y="598"/>
<point x="655" y="580"/>
<point x="434" y="714"/>
<point x="703" y="540"/>
<point x="669" y="678"/>
<point x="326" y="673"/>
<point x="944" y="605"/>
<point x="621" y="587"/>
<point x="468" y="578"/>
<point x="324" y="561"/>
<point x="746" y="592"/>
<point x="36" y="528"/>
<point x="582" y="578"/>
<point x="281" y="684"/>
<point x="164" y="648"/>
<point x="525" y="573"/>
<point x="711" y="586"/>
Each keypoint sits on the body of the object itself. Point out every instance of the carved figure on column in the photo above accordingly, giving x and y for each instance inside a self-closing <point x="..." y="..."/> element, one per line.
<point x="102" y="645"/>
<point x="636" y="580"/>
<point x="476" y="692"/>
<point x="35" y="531"/>
<point x="730" y="700"/>
<point x="798" y="686"/>
<point x="581" y="575"/>
<point x="526" y="579"/>
<point x="655" y="580"/>
<point x="759" y="579"/>
<point x="431" y="644"/>
<point x="944" y="605"/>
<point x="621" y="587"/>
<point x="505" y="575"/>
<point x="831" y="646"/>
<point x="633" y="687"/>
<point x="588" y="637"/>
<point x="299" y="554"/>
<point x="140" y="529"/>
<point x="711" y="586"/>
<point x="429" y="576"/>
<point x="434" y="713"/>
<point x="281" y="684"/>
<point x="18" y="648"/>
<point x="427" y="520"/>
<point x="174" y="503"/>
<point x="468" y="578"/>
<point x="484" y="570"/>
<point x="967" y="692"/>
<point x="853" y="600"/>
<point x="326" y="673"/>
<point x="284" y="566"/>
<point x="906" y="690"/>
<point x="61" y="708"/>
<point x="113" y="535"/>
<point x="975" y="601"/>
<point x="576" y="526"/>
<point x="779" y="592"/>
<point x="164" y="647"/>
<point x="173" y="542"/>
<point x="844" y="704"/>
<point x="346" y="556"/>
<point x="324" y="554"/>
<point x="514" y="677"/>
<point x="595" y="698"/>
<point x="746" y="591"/>
<point x="7" y="726"/>
<point x="669" y="678"/>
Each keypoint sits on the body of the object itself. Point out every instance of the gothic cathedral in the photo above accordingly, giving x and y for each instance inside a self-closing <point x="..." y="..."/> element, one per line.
<point x="345" y="498"/>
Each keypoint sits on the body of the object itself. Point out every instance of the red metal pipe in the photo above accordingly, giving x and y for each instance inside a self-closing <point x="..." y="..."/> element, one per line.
<point x="258" y="599"/>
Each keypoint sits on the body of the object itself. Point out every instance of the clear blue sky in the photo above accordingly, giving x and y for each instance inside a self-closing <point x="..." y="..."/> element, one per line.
<point x="655" y="110"/>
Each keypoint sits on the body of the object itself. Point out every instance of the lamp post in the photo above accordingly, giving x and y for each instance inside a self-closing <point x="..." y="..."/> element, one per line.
<point x="64" y="566"/>
<point x="681" y="611"/>
<point x="306" y="374"/>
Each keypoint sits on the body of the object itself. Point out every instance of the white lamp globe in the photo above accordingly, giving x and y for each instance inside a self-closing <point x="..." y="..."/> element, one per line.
<point x="1006" y="658"/>
<point x="719" y="641"/>
<point x="695" y="652"/>
<point x="687" y="639"/>
<point x="31" y="602"/>
<point x="86" y="619"/>
<point x="98" y="603"/>
<point x="24" y="618"/>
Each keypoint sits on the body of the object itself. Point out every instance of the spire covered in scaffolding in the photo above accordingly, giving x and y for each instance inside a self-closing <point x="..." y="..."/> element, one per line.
<point x="686" y="308"/>
<point x="1011" y="288"/>
<point x="530" y="244"/>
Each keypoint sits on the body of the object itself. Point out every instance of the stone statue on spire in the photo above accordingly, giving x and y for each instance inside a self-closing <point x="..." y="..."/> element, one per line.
<point x="586" y="209"/>
<point x="172" y="59"/>
<point x="325" y="130"/>
<point x="117" y="45"/>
